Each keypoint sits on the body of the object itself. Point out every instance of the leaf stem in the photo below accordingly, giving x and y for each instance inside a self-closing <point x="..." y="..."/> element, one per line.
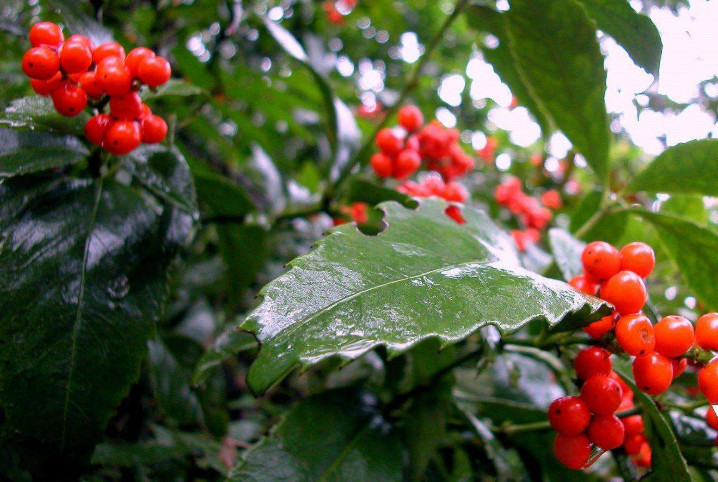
<point x="409" y="85"/>
<point x="545" y="425"/>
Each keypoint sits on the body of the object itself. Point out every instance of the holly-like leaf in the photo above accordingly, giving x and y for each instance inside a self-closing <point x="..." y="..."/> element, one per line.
<point x="83" y="279"/>
<point x="684" y="168"/>
<point x="424" y="276"/>
<point x="634" y="32"/>
<point x="333" y="436"/>
<point x="566" y="251"/>
<point x="563" y="67"/>
<point x="28" y="152"/>
<point x="38" y="113"/>
<point x="694" y="249"/>
<point x="362" y="190"/>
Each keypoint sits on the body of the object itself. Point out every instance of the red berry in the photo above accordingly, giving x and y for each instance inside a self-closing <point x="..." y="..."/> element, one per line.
<point x="679" y="366"/>
<point x="47" y="87"/>
<point x="633" y="443"/>
<point x="598" y="329"/>
<point x="154" y="71"/>
<point x="96" y="127"/>
<point x="455" y="213"/>
<point x="600" y="260"/>
<point x="127" y="106"/>
<point x="46" y="33"/>
<point x="113" y="76"/>
<point x="569" y="415"/>
<point x="69" y="100"/>
<point x="639" y="258"/>
<point x="108" y="49"/>
<point x="388" y="142"/>
<point x="712" y="418"/>
<point x="154" y="130"/>
<point x="606" y="431"/>
<point x="708" y="381"/>
<point x="135" y="58"/>
<point x="584" y="284"/>
<point x="707" y="331"/>
<point x="88" y="82"/>
<point x="573" y="452"/>
<point x="592" y="361"/>
<point x="410" y="118"/>
<point x="82" y="39"/>
<point x="453" y="191"/>
<point x="382" y="164"/>
<point x="635" y="334"/>
<point x="626" y="291"/>
<point x="643" y="459"/>
<point x="41" y="63"/>
<point x="653" y="373"/>
<point x="406" y="163"/>
<point x="75" y="57"/>
<point x="602" y="394"/>
<point x="122" y="137"/>
<point x="633" y="424"/>
<point x="674" y="336"/>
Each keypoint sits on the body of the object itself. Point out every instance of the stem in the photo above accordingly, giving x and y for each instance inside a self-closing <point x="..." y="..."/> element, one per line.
<point x="411" y="83"/>
<point x="606" y="206"/>
<point x="427" y="384"/>
<point x="94" y="162"/>
<point x="545" y="425"/>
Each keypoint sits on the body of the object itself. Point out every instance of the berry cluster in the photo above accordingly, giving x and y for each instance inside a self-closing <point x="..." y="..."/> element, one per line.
<point x="403" y="149"/>
<point x="433" y="185"/>
<point x="590" y="420"/>
<point x="662" y="353"/>
<point x="73" y="70"/>
<point x="533" y="214"/>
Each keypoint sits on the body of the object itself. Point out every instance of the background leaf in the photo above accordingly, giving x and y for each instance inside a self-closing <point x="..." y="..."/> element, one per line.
<point x="566" y="251"/>
<point x="564" y="71"/>
<point x="38" y="113"/>
<point x="29" y="152"/>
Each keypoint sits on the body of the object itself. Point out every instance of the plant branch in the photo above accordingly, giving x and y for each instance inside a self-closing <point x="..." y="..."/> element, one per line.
<point x="411" y="83"/>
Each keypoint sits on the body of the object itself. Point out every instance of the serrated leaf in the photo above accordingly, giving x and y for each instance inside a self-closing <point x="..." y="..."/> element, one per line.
<point x="566" y="251"/>
<point x="634" y="32"/>
<point x="487" y="19"/>
<point x="685" y="168"/>
<point x="694" y="249"/>
<point x="38" y="113"/>
<point x="335" y="436"/>
<point x="83" y="279"/>
<point x="668" y="462"/>
<point x="562" y="64"/>
<point x="424" y="276"/>
<point x="28" y="152"/>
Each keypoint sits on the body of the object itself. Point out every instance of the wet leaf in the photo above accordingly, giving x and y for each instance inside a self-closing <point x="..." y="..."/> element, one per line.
<point x="28" y="152"/>
<point x="38" y="113"/>
<point x="424" y="276"/>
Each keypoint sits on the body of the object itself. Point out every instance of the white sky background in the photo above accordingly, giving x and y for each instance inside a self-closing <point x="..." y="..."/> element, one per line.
<point x="690" y="55"/>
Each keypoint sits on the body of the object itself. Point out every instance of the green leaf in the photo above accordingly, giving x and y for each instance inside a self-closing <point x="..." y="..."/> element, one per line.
<point x="173" y="88"/>
<point x="228" y="343"/>
<point x="566" y="251"/>
<point x="684" y="168"/>
<point x="331" y="437"/>
<point x="76" y="21"/>
<point x="562" y="64"/>
<point x="694" y="249"/>
<point x="362" y="190"/>
<point x="611" y="226"/>
<point x="636" y="33"/>
<point x="28" y="152"/>
<point x="223" y="197"/>
<point x="244" y="249"/>
<point x="668" y="462"/>
<point x="38" y="113"/>
<point x="164" y="172"/>
<point x="489" y="20"/>
<point x="83" y="279"/>
<point x="424" y="276"/>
